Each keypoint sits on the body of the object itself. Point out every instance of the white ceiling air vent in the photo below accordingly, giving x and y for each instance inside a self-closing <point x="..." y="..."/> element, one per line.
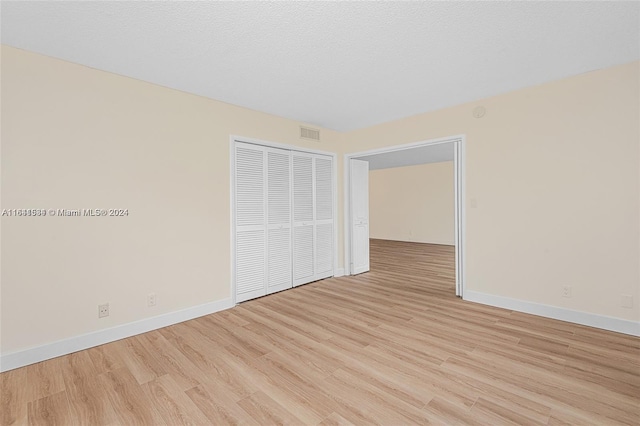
<point x="311" y="134"/>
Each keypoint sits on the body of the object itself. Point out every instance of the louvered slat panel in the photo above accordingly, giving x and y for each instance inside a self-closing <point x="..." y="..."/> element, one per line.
<point x="250" y="261"/>
<point x="324" y="250"/>
<point x="279" y="258"/>
<point x="279" y="274"/>
<point x="302" y="188"/>
<point x="302" y="252"/>
<point x="249" y="187"/>
<point x="278" y="199"/>
<point x="324" y="194"/>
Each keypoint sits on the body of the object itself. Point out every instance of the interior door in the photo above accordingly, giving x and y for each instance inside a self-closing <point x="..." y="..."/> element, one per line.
<point x="359" y="216"/>
<point x="303" y="219"/>
<point x="250" y="238"/>
<point x="323" y="187"/>
<point x="278" y="220"/>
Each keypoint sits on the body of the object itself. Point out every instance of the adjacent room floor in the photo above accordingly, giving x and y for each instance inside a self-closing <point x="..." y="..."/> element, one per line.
<point x="393" y="346"/>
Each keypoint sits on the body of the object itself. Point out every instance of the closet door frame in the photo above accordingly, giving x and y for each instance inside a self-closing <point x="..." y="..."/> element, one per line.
<point x="232" y="179"/>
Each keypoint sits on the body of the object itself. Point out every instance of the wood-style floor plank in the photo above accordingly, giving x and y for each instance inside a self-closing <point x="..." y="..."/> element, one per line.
<point x="13" y="397"/>
<point x="50" y="410"/>
<point x="88" y="401"/>
<point x="128" y="398"/>
<point x="392" y="346"/>
<point x="172" y="405"/>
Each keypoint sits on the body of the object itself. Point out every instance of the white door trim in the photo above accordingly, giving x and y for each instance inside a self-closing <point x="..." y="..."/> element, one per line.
<point x="232" y="197"/>
<point x="459" y="142"/>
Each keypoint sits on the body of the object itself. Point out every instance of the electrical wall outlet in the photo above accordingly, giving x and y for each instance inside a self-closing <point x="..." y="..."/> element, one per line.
<point x="151" y="299"/>
<point x="566" y="291"/>
<point x="103" y="310"/>
<point x="626" y="301"/>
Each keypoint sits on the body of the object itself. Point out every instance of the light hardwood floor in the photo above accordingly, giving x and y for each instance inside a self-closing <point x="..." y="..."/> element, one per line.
<point x="393" y="346"/>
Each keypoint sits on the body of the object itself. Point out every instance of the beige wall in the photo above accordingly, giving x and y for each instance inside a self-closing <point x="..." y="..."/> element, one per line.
<point x="553" y="170"/>
<point x="74" y="137"/>
<point x="413" y="203"/>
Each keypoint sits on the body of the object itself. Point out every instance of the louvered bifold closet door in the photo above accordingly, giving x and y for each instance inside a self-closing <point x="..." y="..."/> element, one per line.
<point x="323" y="217"/>
<point x="303" y="212"/>
<point x="250" y="238"/>
<point x="279" y="273"/>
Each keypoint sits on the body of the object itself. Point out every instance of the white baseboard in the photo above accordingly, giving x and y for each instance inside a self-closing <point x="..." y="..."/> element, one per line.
<point x="338" y="272"/>
<point x="73" y="344"/>
<point x="584" y="318"/>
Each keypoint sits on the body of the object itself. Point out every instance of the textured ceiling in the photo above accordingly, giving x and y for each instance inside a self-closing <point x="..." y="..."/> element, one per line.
<point x="340" y="65"/>
<point x="410" y="157"/>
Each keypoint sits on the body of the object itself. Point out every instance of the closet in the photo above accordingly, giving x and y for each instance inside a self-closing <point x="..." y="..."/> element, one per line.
<point x="283" y="219"/>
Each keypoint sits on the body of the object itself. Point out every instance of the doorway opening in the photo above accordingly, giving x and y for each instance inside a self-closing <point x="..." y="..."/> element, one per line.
<point x="356" y="201"/>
